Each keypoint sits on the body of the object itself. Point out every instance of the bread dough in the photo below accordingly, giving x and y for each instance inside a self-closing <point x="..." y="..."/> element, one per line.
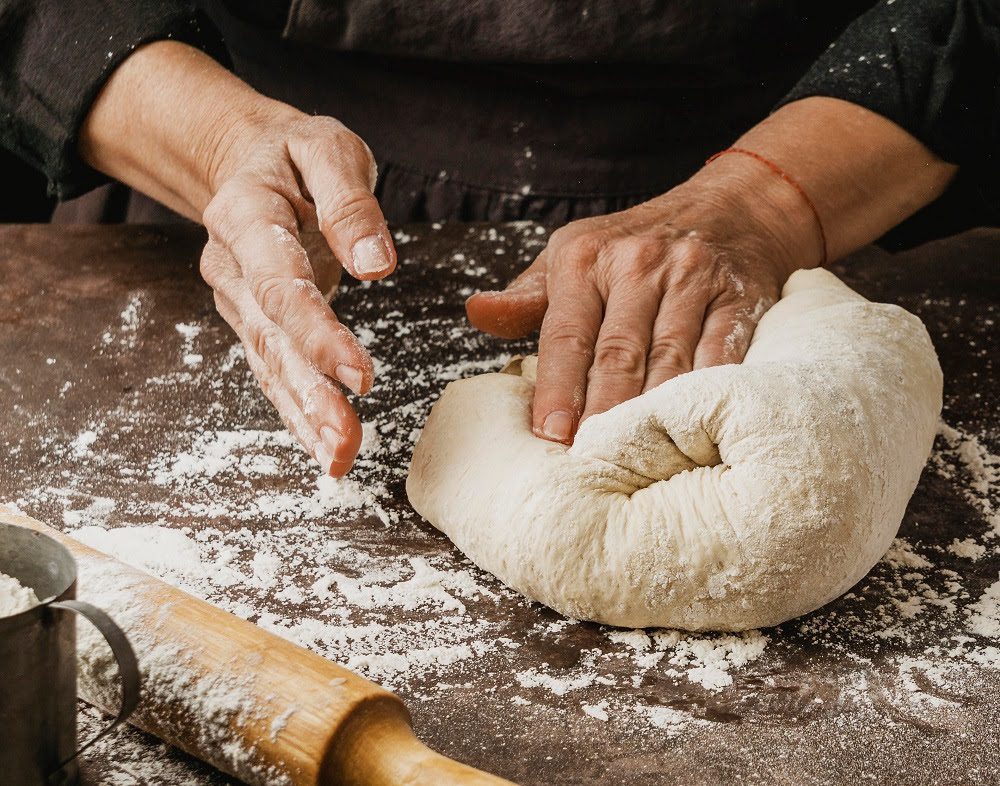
<point x="728" y="498"/>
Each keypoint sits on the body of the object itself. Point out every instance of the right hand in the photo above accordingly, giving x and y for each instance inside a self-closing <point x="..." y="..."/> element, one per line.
<point x="292" y="173"/>
<point x="176" y="125"/>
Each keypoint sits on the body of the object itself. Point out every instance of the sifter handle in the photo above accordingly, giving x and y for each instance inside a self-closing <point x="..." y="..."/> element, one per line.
<point x="128" y="667"/>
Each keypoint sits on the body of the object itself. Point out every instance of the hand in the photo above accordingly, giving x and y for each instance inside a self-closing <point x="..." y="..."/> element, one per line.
<point x="629" y="300"/>
<point x="259" y="174"/>
<point x="292" y="174"/>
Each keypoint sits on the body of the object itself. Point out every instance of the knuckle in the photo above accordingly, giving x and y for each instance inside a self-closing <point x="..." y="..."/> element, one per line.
<point x="208" y="267"/>
<point x="216" y="267"/>
<point x="621" y="355"/>
<point x="690" y="258"/>
<point x="568" y="339"/>
<point x="259" y="342"/>
<point x="355" y="147"/>
<point x="266" y="385"/>
<point x="667" y="353"/>
<point x="583" y="247"/>
<point x="561" y="235"/>
<point x="262" y="340"/>
<point x="328" y="140"/>
<point x="271" y="292"/>
<point x="322" y="126"/>
<point x="692" y="247"/>
<point x="240" y="210"/>
<point x="351" y="204"/>
<point x="574" y="247"/>
<point x="639" y="251"/>
<point x="225" y="310"/>
<point x="313" y="344"/>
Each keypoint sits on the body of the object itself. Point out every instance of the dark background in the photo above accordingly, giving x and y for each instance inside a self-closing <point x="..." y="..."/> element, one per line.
<point x="23" y="197"/>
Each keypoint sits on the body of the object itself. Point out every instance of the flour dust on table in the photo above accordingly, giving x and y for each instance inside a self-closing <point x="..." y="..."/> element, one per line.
<point x="895" y="681"/>
<point x="728" y="498"/>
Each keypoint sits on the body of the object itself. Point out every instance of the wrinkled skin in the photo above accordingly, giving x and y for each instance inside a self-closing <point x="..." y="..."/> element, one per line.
<point x="629" y="300"/>
<point x="300" y="174"/>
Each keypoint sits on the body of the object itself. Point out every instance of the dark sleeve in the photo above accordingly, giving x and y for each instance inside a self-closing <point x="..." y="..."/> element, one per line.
<point x="930" y="66"/>
<point x="55" y="56"/>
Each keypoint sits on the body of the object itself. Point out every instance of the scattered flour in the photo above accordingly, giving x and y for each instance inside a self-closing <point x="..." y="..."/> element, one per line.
<point x="167" y="553"/>
<point x="559" y="686"/>
<point x="671" y="721"/>
<point x="81" y="446"/>
<point x="703" y="659"/>
<point x="985" y="614"/>
<point x="965" y="454"/>
<point x="237" y="517"/>
<point x="128" y="329"/>
<point x="597" y="711"/>
<point x="95" y="513"/>
<point x="967" y="548"/>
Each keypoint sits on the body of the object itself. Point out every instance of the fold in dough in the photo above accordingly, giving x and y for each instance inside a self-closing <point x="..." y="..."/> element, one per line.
<point x="729" y="498"/>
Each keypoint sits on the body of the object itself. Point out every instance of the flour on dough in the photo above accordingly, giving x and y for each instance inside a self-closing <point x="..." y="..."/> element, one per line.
<point x="727" y="498"/>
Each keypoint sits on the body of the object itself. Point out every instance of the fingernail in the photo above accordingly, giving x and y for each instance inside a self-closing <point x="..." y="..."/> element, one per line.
<point x="558" y="425"/>
<point x="370" y="255"/>
<point x="335" y="445"/>
<point x="323" y="457"/>
<point x="350" y="376"/>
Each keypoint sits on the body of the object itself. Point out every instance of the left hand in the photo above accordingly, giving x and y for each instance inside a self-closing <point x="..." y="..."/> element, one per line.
<point x="629" y="300"/>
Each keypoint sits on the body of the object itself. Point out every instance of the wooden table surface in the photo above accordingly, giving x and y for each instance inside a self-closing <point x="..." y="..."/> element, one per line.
<point x="126" y="404"/>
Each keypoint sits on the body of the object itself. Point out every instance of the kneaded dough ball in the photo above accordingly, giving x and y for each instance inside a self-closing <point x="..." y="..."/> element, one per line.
<point x="729" y="498"/>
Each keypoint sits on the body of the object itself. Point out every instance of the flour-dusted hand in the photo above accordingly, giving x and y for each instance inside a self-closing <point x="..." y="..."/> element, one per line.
<point x="259" y="174"/>
<point x="293" y="174"/>
<point x="629" y="300"/>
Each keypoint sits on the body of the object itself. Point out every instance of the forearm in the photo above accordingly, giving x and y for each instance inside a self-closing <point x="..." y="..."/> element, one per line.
<point x="927" y="71"/>
<point x="167" y="119"/>
<point x="862" y="173"/>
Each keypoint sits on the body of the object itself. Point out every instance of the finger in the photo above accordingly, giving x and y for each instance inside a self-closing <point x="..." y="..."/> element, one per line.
<point x="516" y="310"/>
<point x="310" y="404"/>
<point x="258" y="228"/>
<point x="322" y="403"/>
<point x="325" y="266"/>
<point x="675" y="335"/>
<point x="619" y="368"/>
<point x="726" y="334"/>
<point x="338" y="171"/>
<point x="273" y="388"/>
<point x="565" y="352"/>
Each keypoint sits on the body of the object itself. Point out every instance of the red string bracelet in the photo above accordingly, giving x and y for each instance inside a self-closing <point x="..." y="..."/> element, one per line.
<point x="788" y="179"/>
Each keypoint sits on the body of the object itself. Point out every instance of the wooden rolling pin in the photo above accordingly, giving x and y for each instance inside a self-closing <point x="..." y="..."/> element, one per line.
<point x="244" y="700"/>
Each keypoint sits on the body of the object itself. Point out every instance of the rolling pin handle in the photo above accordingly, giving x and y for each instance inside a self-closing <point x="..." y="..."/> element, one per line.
<point x="377" y="747"/>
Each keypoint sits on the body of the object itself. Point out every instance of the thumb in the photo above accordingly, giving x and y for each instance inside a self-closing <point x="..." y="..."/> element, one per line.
<point x="338" y="170"/>
<point x="515" y="311"/>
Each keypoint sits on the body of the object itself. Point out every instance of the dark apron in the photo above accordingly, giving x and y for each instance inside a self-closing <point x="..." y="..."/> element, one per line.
<point x="515" y="109"/>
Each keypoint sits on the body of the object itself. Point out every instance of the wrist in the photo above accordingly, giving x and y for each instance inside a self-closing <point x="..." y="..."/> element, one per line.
<point x="862" y="172"/>
<point x="758" y="212"/>
<point x="172" y="123"/>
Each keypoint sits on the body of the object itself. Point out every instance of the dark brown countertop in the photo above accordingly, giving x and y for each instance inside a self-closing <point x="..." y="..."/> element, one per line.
<point x="114" y="416"/>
